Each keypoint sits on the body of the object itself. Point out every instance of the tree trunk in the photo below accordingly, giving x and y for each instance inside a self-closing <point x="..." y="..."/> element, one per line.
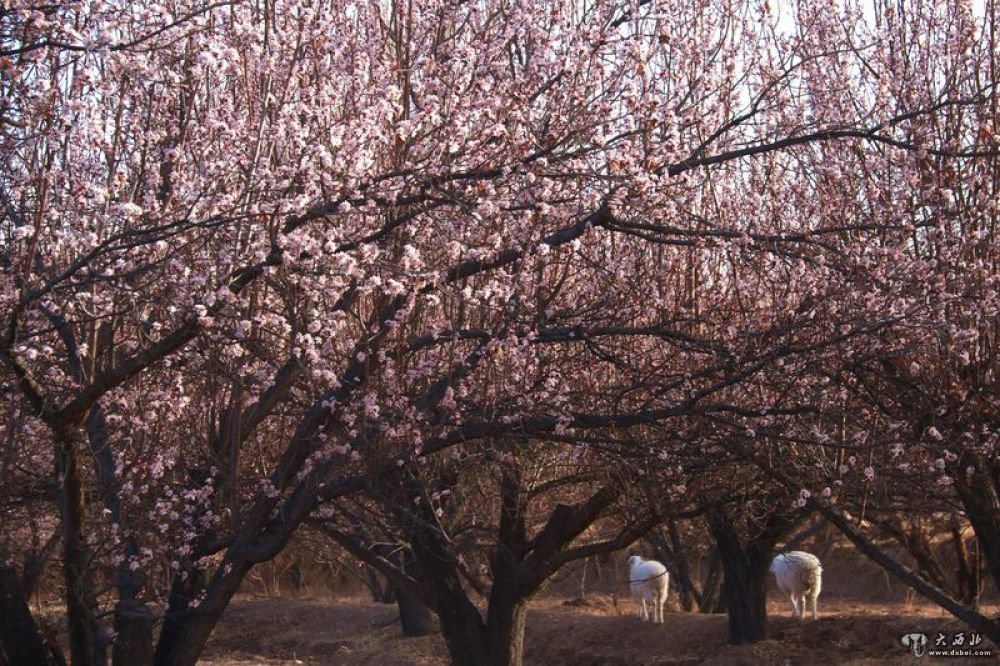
<point x="688" y="594"/>
<point x="20" y="639"/>
<point x="982" y="506"/>
<point x="183" y="590"/>
<point x="461" y="624"/>
<point x="974" y="619"/>
<point x="36" y="562"/>
<point x="87" y="648"/>
<point x="968" y="585"/>
<point x="381" y="590"/>
<point x="744" y="584"/>
<point x="519" y="569"/>
<point x="506" y="612"/>
<point x="133" y="620"/>
<point x="464" y="635"/>
<point x="186" y="629"/>
<point x="913" y="538"/>
<point x="745" y="589"/>
<point x="414" y="616"/>
<point x="673" y="554"/>
<point x="711" y="590"/>
<point x="133" y="634"/>
<point x="505" y="630"/>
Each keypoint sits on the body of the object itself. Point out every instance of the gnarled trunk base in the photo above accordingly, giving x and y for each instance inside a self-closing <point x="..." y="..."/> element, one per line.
<point x="20" y="639"/>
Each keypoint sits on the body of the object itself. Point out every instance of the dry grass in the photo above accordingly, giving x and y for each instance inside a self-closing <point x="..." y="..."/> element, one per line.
<point x="596" y="632"/>
<point x="863" y="614"/>
<point x="298" y="631"/>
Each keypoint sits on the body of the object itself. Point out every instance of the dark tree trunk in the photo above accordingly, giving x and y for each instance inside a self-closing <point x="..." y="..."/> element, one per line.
<point x="745" y="590"/>
<point x="711" y="590"/>
<point x="182" y="592"/>
<point x="127" y="581"/>
<point x="967" y="572"/>
<point x="497" y="642"/>
<point x="520" y="568"/>
<point x="87" y="648"/>
<point x="688" y="594"/>
<point x="982" y="505"/>
<point x="505" y="630"/>
<point x="133" y="620"/>
<point x="35" y="563"/>
<point x="20" y="638"/>
<point x="463" y="629"/>
<point x="674" y="556"/>
<point x="191" y="627"/>
<point x="184" y="644"/>
<point x="382" y="591"/>
<point x="465" y="638"/>
<point x="414" y="616"/>
<point x="745" y="568"/>
<point x="133" y="634"/>
<point x="470" y="641"/>
<point x="461" y="624"/>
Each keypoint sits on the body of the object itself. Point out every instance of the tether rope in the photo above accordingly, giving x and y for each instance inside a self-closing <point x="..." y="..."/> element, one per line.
<point x="659" y="575"/>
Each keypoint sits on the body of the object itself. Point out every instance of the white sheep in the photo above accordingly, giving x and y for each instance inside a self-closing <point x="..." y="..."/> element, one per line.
<point x="799" y="575"/>
<point x="649" y="580"/>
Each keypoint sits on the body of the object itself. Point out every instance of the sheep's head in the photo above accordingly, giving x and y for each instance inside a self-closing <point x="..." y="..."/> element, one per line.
<point x="634" y="560"/>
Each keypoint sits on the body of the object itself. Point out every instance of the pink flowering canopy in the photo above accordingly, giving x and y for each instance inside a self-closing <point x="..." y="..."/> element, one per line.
<point x="255" y="255"/>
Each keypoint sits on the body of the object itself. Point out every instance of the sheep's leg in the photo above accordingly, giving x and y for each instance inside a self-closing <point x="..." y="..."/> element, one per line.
<point x="663" y="601"/>
<point x="814" y="599"/>
<point x="644" y="614"/>
<point x="795" y="606"/>
<point x="802" y="607"/>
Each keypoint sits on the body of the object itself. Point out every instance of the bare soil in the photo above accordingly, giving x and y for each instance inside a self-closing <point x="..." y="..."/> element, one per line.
<point x="863" y="615"/>
<point x="601" y="630"/>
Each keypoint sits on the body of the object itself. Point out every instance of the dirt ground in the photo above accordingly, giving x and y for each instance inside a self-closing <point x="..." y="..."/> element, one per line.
<point x="863" y="614"/>
<point x="601" y="631"/>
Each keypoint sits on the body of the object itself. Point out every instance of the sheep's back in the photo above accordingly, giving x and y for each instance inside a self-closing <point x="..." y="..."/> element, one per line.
<point x="797" y="571"/>
<point x="647" y="574"/>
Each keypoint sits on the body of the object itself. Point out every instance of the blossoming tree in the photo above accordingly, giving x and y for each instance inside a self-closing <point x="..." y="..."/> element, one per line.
<point x="258" y="257"/>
